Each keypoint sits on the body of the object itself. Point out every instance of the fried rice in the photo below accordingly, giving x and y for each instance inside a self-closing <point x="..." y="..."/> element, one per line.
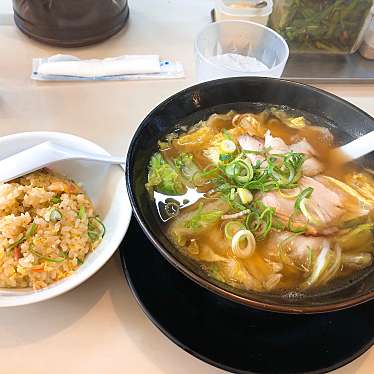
<point x="47" y="227"/>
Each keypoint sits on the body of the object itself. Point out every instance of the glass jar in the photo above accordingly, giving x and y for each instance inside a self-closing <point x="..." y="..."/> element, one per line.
<point x="243" y="10"/>
<point x="70" y="23"/>
<point x="322" y="26"/>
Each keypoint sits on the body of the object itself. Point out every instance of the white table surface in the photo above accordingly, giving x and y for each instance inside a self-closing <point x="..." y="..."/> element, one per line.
<point x="98" y="327"/>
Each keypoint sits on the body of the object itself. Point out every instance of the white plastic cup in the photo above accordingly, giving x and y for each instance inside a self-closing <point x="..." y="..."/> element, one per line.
<point x="239" y="10"/>
<point x="239" y="37"/>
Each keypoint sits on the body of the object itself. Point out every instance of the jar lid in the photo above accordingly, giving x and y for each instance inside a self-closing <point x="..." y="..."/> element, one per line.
<point x="244" y="7"/>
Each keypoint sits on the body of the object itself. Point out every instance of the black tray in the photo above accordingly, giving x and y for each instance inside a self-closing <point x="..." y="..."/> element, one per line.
<point x="234" y="337"/>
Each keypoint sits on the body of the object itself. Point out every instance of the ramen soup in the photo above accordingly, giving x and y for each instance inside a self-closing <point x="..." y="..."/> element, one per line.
<point x="259" y="203"/>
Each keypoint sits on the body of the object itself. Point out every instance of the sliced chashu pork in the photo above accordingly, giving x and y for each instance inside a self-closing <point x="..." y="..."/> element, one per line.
<point x="250" y="143"/>
<point x="311" y="165"/>
<point x="296" y="246"/>
<point x="276" y="145"/>
<point x="324" y="204"/>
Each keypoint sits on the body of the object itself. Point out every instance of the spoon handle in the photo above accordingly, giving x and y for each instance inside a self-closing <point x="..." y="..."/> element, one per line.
<point x="358" y="147"/>
<point x="45" y="154"/>
<point x="69" y="154"/>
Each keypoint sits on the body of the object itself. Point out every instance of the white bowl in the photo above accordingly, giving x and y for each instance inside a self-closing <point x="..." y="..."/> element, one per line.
<point x="104" y="184"/>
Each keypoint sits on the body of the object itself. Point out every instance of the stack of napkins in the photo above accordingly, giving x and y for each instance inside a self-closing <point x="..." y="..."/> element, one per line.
<point x="127" y="67"/>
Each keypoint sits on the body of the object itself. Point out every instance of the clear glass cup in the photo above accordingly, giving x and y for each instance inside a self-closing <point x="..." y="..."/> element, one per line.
<point x="228" y="39"/>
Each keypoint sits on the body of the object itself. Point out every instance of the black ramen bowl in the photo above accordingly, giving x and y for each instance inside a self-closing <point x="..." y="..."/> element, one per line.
<point x="245" y="94"/>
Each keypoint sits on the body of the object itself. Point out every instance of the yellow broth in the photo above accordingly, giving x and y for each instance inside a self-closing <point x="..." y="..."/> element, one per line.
<point x="270" y="267"/>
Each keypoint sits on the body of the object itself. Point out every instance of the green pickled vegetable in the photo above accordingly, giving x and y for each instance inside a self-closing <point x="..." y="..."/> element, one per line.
<point x="331" y="26"/>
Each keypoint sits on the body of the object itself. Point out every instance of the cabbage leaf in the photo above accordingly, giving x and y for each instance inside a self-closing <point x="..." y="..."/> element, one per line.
<point x="163" y="178"/>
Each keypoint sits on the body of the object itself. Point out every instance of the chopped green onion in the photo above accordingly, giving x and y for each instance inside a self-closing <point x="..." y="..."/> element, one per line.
<point x="80" y="262"/>
<point x="96" y="229"/>
<point x="57" y="259"/>
<point x="278" y="225"/>
<point x="245" y="196"/>
<point x="243" y="172"/>
<point x="305" y="194"/>
<point x="200" y="178"/>
<point x="93" y="235"/>
<point x="333" y="268"/>
<point x="55" y="215"/>
<point x="56" y="200"/>
<point x="232" y="194"/>
<point x="253" y="221"/>
<point x="81" y="212"/>
<point x="319" y="267"/>
<point x="284" y="258"/>
<point x="267" y="218"/>
<point x="16" y="243"/>
<point x="29" y="233"/>
<point x="240" y="171"/>
<point x="308" y="215"/>
<point x="294" y="162"/>
<point x="290" y="195"/>
<point x="209" y="171"/>
<point x="228" y="146"/>
<point x="294" y="229"/>
<point x="31" y="250"/>
<point x="237" y="249"/>
<point x="261" y="220"/>
<point x="301" y="207"/>
<point x="230" y="170"/>
<point x="42" y="257"/>
<point x="224" y="157"/>
<point x="232" y="227"/>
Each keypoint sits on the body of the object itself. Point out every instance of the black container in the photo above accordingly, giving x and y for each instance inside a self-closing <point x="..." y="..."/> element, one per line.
<point x="70" y="23"/>
<point x="197" y="103"/>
